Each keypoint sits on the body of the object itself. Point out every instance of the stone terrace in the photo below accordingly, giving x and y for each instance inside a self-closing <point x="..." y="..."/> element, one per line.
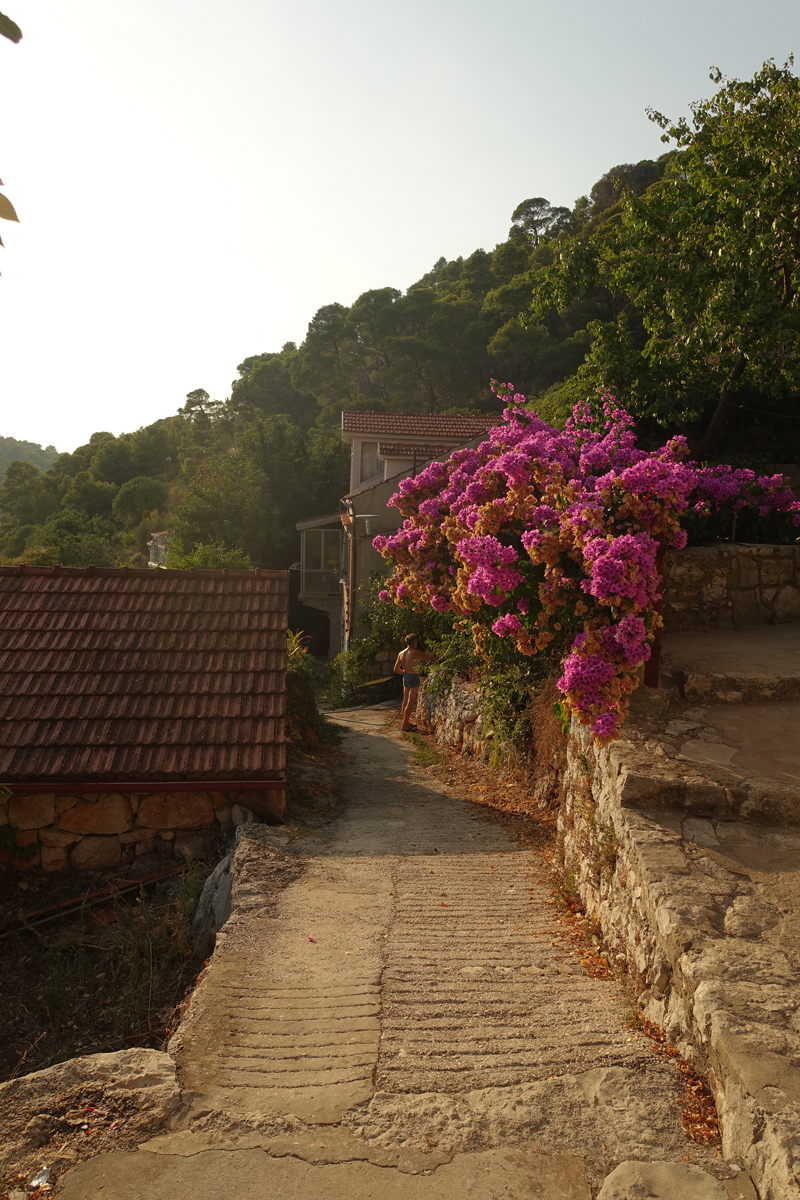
<point x="683" y="839"/>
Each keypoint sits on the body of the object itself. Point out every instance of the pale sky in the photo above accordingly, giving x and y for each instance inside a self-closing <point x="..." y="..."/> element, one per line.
<point x="195" y="178"/>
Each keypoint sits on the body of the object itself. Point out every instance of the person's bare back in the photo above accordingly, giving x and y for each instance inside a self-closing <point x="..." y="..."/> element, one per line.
<point x="406" y="665"/>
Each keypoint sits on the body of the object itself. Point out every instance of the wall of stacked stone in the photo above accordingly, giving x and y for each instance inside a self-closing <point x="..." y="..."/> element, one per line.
<point x="731" y="587"/>
<point x="451" y="714"/>
<point x="101" y="831"/>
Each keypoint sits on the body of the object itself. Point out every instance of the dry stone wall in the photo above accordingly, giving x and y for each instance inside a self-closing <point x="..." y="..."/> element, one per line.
<point x="704" y="948"/>
<point x="731" y="587"/>
<point x="101" y="831"/>
<point x="452" y="715"/>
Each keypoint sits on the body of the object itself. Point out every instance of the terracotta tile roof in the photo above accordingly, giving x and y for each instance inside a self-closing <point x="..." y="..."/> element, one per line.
<point x="124" y="674"/>
<point x="402" y="425"/>
<point x="418" y="450"/>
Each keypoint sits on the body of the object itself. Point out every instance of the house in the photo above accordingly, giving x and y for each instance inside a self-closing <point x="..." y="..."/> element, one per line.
<point x="141" y="712"/>
<point x="385" y="445"/>
<point x="336" y="552"/>
<point x="158" y="548"/>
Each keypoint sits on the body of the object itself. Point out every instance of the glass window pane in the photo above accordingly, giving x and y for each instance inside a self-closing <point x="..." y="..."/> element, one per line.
<point x="331" y="550"/>
<point x="369" y="460"/>
<point x="313" y="545"/>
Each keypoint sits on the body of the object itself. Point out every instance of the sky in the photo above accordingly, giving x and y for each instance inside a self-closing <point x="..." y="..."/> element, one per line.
<point x="195" y="179"/>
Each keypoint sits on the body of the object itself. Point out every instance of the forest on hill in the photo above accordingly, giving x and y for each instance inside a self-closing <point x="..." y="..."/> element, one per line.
<point x="13" y="450"/>
<point x="672" y="284"/>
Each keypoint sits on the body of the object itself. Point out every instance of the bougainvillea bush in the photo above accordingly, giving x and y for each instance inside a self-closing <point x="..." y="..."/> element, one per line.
<point x="554" y="538"/>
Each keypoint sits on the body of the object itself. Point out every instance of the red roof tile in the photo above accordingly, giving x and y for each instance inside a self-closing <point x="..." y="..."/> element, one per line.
<point x="141" y="675"/>
<point x="400" y="425"/>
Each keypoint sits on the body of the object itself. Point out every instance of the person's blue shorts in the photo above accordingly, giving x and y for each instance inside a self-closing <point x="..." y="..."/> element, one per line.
<point x="410" y="680"/>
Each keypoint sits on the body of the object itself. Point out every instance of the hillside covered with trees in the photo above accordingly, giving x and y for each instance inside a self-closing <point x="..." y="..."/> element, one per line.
<point x="672" y="284"/>
<point x="13" y="450"/>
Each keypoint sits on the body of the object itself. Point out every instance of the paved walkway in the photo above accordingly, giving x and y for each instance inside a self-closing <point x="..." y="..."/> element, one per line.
<point x="394" y="1011"/>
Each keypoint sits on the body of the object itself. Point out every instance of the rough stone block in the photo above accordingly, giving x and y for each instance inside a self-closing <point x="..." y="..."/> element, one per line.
<point x="241" y="815"/>
<point x="146" y="1076"/>
<point x="31" y="812"/>
<point x="175" y="810"/>
<point x="786" y="604"/>
<point x="749" y="917"/>
<point x="57" y="837"/>
<point x="223" y="814"/>
<point x="54" y="858"/>
<point x="775" y="571"/>
<point x="65" y="802"/>
<point x="193" y="845"/>
<point x="661" y="1181"/>
<point x="715" y="590"/>
<point x="213" y="907"/>
<point x="745" y="570"/>
<point x="109" y="814"/>
<point x="135" y="835"/>
<point x="746" y="609"/>
<point x="97" y="853"/>
<point x="151" y="845"/>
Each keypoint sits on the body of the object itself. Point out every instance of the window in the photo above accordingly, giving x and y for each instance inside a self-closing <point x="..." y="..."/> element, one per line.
<point x="320" y="557"/>
<point x="369" y="460"/>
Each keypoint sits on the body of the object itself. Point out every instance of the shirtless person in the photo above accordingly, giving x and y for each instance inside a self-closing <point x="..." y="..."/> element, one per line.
<point x="406" y="666"/>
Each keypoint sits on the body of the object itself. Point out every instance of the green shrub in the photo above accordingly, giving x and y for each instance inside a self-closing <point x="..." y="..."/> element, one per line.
<point x="304" y="721"/>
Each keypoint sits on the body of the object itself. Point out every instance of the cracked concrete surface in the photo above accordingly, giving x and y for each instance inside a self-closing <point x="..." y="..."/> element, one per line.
<point x="390" y="1011"/>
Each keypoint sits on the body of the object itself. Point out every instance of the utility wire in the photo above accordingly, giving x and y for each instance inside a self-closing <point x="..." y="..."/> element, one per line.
<point x="767" y="412"/>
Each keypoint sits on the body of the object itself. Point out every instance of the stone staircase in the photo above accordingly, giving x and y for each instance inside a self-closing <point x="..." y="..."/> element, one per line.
<point x="700" y="900"/>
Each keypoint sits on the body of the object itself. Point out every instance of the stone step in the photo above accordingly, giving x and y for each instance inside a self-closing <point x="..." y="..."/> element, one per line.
<point x="735" y="666"/>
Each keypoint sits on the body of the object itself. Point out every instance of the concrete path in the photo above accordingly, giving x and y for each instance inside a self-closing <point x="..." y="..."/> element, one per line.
<point x="393" y="1011"/>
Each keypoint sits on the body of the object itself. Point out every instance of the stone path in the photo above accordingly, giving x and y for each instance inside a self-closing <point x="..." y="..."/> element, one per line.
<point x="393" y="1011"/>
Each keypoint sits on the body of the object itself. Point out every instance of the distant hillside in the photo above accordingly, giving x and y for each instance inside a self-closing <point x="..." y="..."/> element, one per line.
<point x="12" y="449"/>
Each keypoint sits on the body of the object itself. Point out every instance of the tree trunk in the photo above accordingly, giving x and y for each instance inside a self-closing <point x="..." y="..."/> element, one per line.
<point x="699" y="447"/>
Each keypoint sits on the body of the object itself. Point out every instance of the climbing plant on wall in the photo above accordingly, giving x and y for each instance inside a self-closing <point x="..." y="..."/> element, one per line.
<point x="552" y="538"/>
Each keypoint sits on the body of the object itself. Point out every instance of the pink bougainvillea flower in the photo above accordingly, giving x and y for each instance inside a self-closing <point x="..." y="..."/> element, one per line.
<point x="554" y="537"/>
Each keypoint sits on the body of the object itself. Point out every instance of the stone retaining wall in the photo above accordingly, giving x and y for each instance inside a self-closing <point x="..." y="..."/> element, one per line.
<point x="702" y="946"/>
<point x="100" y="831"/>
<point x="731" y="587"/>
<point x="452" y="716"/>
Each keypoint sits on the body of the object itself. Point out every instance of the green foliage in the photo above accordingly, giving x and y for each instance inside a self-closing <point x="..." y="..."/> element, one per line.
<point x="12" y="450"/>
<point x="700" y="266"/>
<point x="9" y="29"/>
<point x="563" y="716"/>
<point x="671" y="283"/>
<point x="304" y="722"/>
<point x="136" y="971"/>
<point x="425" y="754"/>
<point x="136" y="498"/>
<point x="508" y="681"/>
<point x="386" y="626"/>
<point x="209" y="556"/>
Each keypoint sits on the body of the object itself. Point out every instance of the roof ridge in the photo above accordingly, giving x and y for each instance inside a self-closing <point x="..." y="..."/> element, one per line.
<point x="91" y="572"/>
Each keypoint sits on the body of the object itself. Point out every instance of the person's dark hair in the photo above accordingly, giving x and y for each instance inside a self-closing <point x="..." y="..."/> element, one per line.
<point x="410" y="639"/>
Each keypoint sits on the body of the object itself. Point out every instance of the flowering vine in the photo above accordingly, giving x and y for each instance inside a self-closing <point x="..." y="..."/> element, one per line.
<point x="552" y="537"/>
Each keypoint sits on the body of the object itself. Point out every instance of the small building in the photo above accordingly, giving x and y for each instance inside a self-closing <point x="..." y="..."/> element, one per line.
<point x="336" y="552"/>
<point x="158" y="549"/>
<point x="141" y="712"/>
<point x="384" y="445"/>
